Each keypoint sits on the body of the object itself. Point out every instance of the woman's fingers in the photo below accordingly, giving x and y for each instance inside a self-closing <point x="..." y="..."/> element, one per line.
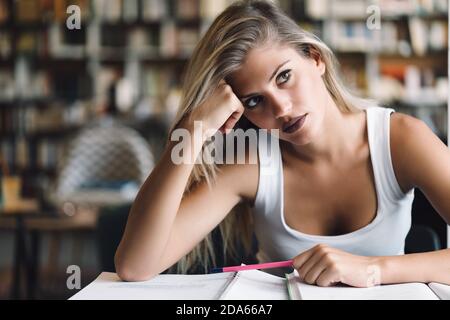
<point x="328" y="277"/>
<point x="301" y="259"/>
<point x="311" y="268"/>
<point x="312" y="264"/>
<point x="231" y="121"/>
<point x="322" y="265"/>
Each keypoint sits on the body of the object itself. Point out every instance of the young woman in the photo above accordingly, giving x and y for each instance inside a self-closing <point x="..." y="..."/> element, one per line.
<point x="336" y="196"/>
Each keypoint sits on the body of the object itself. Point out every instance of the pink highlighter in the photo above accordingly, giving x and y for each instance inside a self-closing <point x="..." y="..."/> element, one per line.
<point x="270" y="265"/>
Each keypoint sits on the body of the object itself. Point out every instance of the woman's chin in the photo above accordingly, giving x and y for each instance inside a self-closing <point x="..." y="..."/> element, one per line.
<point x="300" y="138"/>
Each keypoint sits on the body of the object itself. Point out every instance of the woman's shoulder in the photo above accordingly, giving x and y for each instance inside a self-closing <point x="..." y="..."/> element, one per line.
<point x="407" y="135"/>
<point x="404" y="129"/>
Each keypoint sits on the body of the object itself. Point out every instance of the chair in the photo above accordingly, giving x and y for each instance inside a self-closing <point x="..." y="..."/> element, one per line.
<point x="110" y="228"/>
<point x="101" y="153"/>
<point x="422" y="239"/>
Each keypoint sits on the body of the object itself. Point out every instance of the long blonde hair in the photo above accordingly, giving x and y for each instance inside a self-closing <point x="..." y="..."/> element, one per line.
<point x="243" y="26"/>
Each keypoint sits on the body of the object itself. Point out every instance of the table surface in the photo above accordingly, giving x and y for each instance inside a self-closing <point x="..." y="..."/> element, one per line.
<point x="25" y="206"/>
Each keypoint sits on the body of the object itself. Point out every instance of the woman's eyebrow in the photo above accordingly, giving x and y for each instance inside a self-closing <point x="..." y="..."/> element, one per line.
<point x="271" y="77"/>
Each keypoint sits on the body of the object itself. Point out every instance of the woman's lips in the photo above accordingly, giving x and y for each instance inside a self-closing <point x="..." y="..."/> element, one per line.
<point x="295" y="125"/>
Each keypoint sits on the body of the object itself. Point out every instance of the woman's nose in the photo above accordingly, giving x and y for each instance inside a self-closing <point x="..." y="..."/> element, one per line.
<point x="281" y="106"/>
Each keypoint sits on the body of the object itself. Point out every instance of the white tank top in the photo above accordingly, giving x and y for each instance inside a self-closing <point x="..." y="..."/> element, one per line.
<point x="384" y="236"/>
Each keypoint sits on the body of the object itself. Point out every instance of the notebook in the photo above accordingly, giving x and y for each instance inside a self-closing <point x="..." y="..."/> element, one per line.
<point x="299" y="290"/>
<point x="246" y="285"/>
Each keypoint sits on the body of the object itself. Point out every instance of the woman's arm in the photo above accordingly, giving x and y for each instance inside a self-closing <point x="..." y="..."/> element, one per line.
<point x="421" y="161"/>
<point x="326" y="266"/>
<point x="163" y="226"/>
<point x="419" y="267"/>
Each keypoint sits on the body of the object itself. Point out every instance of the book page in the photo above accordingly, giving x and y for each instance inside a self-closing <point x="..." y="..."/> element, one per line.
<point x="407" y="291"/>
<point x="441" y="290"/>
<point x="256" y="285"/>
<point x="108" y="286"/>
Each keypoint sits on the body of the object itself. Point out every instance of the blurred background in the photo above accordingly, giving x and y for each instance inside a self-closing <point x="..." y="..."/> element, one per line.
<point x="85" y="110"/>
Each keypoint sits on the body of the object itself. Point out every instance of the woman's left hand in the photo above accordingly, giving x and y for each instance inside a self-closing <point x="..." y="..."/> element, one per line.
<point x="325" y="266"/>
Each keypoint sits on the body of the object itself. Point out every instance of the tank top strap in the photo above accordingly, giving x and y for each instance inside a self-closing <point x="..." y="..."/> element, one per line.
<point x="269" y="161"/>
<point x="378" y="121"/>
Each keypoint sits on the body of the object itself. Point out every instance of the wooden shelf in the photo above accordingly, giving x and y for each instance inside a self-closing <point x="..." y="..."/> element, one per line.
<point x="59" y="132"/>
<point x="35" y="170"/>
<point x="27" y="102"/>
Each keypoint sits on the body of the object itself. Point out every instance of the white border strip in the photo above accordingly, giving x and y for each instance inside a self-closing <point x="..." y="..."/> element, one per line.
<point x="448" y="115"/>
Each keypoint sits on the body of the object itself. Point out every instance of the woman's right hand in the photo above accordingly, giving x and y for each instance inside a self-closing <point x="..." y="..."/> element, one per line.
<point x="220" y="112"/>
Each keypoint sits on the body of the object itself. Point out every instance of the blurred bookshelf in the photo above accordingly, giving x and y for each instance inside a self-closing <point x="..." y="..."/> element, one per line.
<point x="54" y="80"/>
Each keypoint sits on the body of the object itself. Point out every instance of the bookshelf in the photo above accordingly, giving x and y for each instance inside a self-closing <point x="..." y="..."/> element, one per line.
<point x="54" y="80"/>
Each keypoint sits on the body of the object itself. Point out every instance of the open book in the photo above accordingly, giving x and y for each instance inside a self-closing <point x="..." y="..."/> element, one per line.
<point x="246" y="285"/>
<point x="299" y="290"/>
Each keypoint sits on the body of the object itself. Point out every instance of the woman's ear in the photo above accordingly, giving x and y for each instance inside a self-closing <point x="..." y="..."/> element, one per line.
<point x="317" y="57"/>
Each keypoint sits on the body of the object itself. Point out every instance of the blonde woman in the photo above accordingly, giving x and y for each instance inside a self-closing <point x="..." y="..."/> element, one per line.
<point x="335" y="196"/>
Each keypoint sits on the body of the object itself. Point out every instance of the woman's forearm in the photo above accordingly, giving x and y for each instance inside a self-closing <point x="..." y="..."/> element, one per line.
<point x="419" y="267"/>
<point x="151" y="218"/>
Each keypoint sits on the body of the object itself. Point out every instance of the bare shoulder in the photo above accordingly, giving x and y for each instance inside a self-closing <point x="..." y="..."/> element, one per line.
<point x="242" y="176"/>
<point x="410" y="139"/>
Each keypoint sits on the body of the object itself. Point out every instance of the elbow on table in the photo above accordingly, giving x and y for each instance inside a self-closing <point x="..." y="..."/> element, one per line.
<point x="129" y="273"/>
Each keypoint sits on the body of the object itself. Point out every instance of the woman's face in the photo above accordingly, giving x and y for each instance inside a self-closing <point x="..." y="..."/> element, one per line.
<point x="277" y="86"/>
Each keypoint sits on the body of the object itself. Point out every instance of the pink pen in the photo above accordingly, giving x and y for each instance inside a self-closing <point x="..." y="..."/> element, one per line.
<point x="269" y="265"/>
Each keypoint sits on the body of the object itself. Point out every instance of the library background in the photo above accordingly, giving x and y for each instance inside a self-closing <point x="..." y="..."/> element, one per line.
<point x="84" y="113"/>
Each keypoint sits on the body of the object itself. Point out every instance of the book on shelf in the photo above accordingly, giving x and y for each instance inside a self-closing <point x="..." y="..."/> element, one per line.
<point x="209" y="10"/>
<point x="187" y="39"/>
<point x="4" y="11"/>
<point x="7" y="85"/>
<point x="438" y="35"/>
<point x="27" y="11"/>
<point x="143" y="42"/>
<point x="34" y="120"/>
<point x="5" y="44"/>
<point x="419" y="35"/>
<point x="157" y="82"/>
<point x="22" y="153"/>
<point x="187" y="9"/>
<point x="407" y="7"/>
<point x="108" y="10"/>
<point x="168" y="37"/>
<point x="130" y="11"/>
<point x="49" y="154"/>
<point x="154" y="10"/>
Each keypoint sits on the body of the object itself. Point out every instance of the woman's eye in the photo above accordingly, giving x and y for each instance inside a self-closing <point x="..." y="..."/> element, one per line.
<point x="284" y="77"/>
<point x="253" y="102"/>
